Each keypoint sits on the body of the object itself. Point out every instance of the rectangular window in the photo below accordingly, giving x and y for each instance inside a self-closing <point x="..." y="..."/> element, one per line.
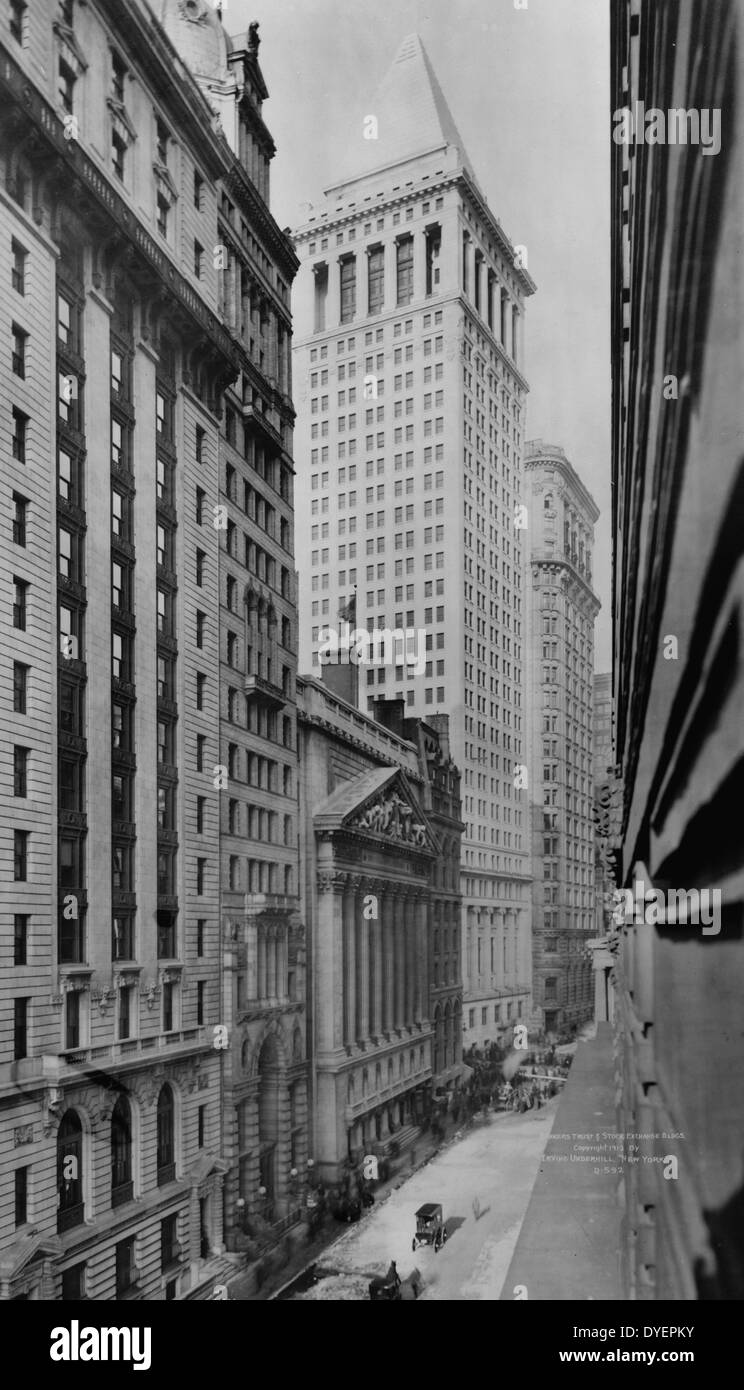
<point x="376" y="278"/>
<point x="18" y="351"/>
<point x="20" y="938"/>
<point x="20" y="515"/>
<point x="21" y="1196"/>
<point x="198" y="259"/>
<point x="66" y="85"/>
<point x="20" y="1029"/>
<point x="200" y="994"/>
<point x="73" y="1283"/>
<point x="17" y="13"/>
<point x="20" y="855"/>
<point x="433" y="250"/>
<point x="127" y="1274"/>
<point x="348" y="288"/>
<point x="20" y="430"/>
<point x="18" y="267"/>
<point x="198" y="190"/>
<point x="20" y="771"/>
<point x="163" y="209"/>
<point x="404" y="270"/>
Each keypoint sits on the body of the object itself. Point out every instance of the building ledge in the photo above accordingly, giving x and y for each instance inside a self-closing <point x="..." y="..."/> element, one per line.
<point x="569" y="1246"/>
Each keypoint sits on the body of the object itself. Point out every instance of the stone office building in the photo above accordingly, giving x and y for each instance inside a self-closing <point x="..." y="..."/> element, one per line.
<point x="411" y="398"/>
<point x="112" y="1155"/>
<point x="678" y="606"/>
<point x="384" y="1032"/>
<point x="563" y="608"/>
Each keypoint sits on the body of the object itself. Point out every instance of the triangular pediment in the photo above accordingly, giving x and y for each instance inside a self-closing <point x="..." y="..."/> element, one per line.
<point x="24" y="1251"/>
<point x="380" y="804"/>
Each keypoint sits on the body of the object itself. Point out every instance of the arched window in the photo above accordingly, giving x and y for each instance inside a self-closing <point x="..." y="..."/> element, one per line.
<point x="70" y="1172"/>
<point x="121" y="1153"/>
<point x="166" y="1137"/>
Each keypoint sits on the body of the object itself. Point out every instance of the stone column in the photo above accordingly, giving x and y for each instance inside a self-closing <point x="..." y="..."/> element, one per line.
<point x="376" y="1006"/>
<point x="362" y="967"/>
<point x="261" y="961"/>
<point x="400" y="961"/>
<point x="349" y="967"/>
<point x="251" y="961"/>
<point x="329" y="965"/>
<point x="423" y="1010"/>
<point x="388" y="977"/>
<point x="419" y="265"/>
<point x="410" y="923"/>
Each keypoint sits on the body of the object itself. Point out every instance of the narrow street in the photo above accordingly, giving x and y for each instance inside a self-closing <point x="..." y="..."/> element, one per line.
<point x="495" y="1166"/>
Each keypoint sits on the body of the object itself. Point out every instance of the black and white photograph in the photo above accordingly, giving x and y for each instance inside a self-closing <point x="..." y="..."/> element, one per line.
<point x="372" y="674"/>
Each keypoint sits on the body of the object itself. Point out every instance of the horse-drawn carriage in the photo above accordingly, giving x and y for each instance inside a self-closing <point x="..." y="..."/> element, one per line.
<point x="392" y="1289"/>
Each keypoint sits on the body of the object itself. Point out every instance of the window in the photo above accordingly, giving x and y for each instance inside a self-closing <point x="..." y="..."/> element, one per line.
<point x="404" y="270"/>
<point x="162" y="137"/>
<point x="376" y="278"/>
<point x="70" y="1170"/>
<point x="18" y="267"/>
<point x="127" y="1273"/>
<point x="348" y="288"/>
<point x="198" y="259"/>
<point x="20" y="687"/>
<point x="200" y="562"/>
<point x="18" y="351"/>
<point x="20" y="771"/>
<point x="118" y="77"/>
<point x="121" y="1134"/>
<point x="66" y="85"/>
<point x="17" y="12"/>
<point x="20" y="855"/>
<point x="200" y="995"/>
<point x="198" y="190"/>
<point x="73" y="1283"/>
<point x="20" y="1180"/>
<point x="122" y="945"/>
<point x="166" y="1158"/>
<point x="163" y="209"/>
<point x="20" y="513"/>
<point x="170" y="1250"/>
<point x="20" y="430"/>
<point x="201" y="1125"/>
<point x="20" y="938"/>
<point x="118" y="151"/>
<point x="20" y="1029"/>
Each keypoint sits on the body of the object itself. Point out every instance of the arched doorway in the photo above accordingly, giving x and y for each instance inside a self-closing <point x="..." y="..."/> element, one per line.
<point x="268" y="1118"/>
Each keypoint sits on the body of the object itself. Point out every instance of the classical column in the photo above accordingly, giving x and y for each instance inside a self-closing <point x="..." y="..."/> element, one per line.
<point x="376" y="948"/>
<point x="251" y="960"/>
<point x="333" y="300"/>
<point x="410" y="922"/>
<point x="419" y="265"/>
<point x="422" y="959"/>
<point x="362" y="967"/>
<point x="349" y="966"/>
<point x="388" y="976"/>
<point x="400" y="961"/>
<point x="261" y="961"/>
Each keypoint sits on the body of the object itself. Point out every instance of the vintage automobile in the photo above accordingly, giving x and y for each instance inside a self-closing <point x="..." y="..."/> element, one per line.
<point x="430" y="1227"/>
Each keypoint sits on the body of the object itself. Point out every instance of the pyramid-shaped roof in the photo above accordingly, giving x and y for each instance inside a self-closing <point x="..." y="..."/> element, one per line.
<point x="412" y="115"/>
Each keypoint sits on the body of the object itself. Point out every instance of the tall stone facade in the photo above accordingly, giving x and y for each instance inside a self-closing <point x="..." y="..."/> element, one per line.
<point x="561" y="519"/>
<point x="411" y="410"/>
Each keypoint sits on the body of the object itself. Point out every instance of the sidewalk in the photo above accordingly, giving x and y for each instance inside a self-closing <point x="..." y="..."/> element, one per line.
<point x="243" y="1286"/>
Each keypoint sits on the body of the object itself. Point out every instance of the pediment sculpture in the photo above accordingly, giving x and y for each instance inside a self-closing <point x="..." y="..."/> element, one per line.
<point x="393" y="817"/>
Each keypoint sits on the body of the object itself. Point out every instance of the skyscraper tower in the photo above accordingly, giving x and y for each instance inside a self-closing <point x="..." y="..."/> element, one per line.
<point x="564" y="606"/>
<point x="411" y="397"/>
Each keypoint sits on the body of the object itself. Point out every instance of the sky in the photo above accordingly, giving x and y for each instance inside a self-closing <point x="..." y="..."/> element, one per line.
<point x="529" y="92"/>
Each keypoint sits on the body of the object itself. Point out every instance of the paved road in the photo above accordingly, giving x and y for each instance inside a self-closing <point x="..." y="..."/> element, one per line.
<point x="495" y="1164"/>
